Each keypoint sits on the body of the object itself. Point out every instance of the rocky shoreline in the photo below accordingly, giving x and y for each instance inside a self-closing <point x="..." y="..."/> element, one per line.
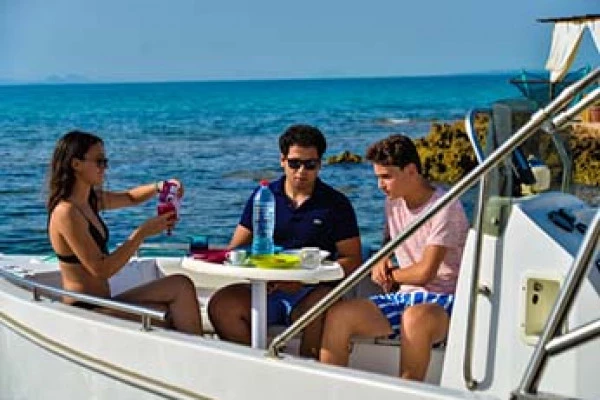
<point x="447" y="155"/>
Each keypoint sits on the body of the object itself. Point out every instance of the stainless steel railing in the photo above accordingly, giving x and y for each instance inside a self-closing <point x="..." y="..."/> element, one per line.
<point x="147" y="314"/>
<point x="556" y="123"/>
<point x="474" y="289"/>
<point x="528" y="129"/>
<point x="472" y="134"/>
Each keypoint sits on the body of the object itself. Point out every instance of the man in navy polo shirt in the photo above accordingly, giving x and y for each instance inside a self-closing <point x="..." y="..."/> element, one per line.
<point x="308" y="213"/>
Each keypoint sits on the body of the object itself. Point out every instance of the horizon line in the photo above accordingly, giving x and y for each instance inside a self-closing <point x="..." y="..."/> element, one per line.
<point x="88" y="81"/>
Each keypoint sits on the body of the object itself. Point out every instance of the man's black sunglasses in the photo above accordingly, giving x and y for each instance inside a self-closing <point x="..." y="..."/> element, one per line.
<point x="310" y="164"/>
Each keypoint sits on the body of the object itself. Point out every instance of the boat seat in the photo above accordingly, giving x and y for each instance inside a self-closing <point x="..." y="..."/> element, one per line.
<point x="134" y="273"/>
<point x="385" y="341"/>
<point x="205" y="285"/>
<point x="51" y="278"/>
<point x="382" y="355"/>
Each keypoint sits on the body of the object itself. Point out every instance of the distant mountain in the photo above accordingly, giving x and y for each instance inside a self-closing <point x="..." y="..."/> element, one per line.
<point x="68" y="78"/>
<point x="50" y="80"/>
<point x="7" y="82"/>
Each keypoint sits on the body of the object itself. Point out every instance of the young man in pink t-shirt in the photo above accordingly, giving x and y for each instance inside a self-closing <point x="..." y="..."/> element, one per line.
<point x="429" y="262"/>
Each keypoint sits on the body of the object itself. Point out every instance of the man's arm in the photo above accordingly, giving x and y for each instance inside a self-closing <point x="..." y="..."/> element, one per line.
<point x="423" y="271"/>
<point x="242" y="236"/>
<point x="349" y="256"/>
<point x="346" y="235"/>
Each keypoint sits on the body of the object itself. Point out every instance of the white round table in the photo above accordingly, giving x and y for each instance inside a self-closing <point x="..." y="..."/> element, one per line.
<point x="258" y="278"/>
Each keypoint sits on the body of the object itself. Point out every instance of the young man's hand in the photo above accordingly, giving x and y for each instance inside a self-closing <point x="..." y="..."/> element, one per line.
<point x="381" y="276"/>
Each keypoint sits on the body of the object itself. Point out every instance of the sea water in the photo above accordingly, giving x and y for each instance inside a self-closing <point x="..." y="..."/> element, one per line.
<point x="218" y="138"/>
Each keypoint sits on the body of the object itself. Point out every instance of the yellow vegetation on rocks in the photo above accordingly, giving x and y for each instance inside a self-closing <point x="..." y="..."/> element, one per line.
<point x="447" y="155"/>
<point x="344" y="157"/>
<point x="584" y="143"/>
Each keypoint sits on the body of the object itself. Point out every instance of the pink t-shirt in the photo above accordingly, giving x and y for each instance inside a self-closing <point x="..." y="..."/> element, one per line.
<point x="448" y="228"/>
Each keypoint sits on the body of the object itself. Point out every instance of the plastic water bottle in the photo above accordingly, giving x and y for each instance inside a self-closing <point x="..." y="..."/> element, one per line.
<point x="263" y="220"/>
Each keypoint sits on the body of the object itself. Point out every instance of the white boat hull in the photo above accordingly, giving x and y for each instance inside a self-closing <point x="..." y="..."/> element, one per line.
<point x="51" y="350"/>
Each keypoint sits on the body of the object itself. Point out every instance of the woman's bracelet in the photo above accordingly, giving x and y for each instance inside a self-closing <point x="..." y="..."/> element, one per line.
<point x="158" y="185"/>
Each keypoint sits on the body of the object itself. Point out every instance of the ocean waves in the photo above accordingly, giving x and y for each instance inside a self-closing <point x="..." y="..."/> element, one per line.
<point x="219" y="138"/>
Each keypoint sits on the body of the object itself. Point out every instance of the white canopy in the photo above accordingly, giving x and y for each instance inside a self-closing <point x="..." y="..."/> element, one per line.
<point x="565" y="41"/>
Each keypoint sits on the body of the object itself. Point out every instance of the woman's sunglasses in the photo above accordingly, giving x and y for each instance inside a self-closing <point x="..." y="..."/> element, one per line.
<point x="310" y="164"/>
<point x="100" y="162"/>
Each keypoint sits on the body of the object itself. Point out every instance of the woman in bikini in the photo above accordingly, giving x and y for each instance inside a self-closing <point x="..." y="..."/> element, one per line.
<point x="79" y="236"/>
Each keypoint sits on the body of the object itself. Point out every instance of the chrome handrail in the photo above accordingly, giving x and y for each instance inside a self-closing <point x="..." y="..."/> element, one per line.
<point x="567" y="163"/>
<point x="548" y="343"/>
<point x="528" y="129"/>
<point x="475" y="267"/>
<point x="472" y="133"/>
<point x="574" y="338"/>
<point x="572" y="111"/>
<point x="147" y="314"/>
<point x="551" y="127"/>
<point x="474" y="288"/>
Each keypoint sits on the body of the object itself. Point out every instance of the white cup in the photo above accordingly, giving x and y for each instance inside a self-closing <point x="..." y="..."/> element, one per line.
<point x="236" y="257"/>
<point x="310" y="257"/>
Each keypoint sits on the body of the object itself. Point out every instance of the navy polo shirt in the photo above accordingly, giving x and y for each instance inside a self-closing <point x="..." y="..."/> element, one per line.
<point x="324" y="219"/>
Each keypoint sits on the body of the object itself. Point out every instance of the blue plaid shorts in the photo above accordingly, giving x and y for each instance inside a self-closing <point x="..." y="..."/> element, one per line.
<point x="393" y="305"/>
<point x="280" y="305"/>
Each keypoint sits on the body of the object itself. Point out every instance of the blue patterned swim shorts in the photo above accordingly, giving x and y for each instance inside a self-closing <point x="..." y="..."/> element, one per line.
<point x="392" y="305"/>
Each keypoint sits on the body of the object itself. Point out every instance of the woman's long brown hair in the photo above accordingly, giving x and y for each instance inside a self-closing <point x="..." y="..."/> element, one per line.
<point x="73" y="145"/>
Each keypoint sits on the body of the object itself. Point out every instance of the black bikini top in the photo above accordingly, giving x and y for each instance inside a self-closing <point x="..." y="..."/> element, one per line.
<point x="101" y="241"/>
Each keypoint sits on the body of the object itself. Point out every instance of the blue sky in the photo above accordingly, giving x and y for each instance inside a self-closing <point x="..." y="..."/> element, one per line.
<point x="152" y="40"/>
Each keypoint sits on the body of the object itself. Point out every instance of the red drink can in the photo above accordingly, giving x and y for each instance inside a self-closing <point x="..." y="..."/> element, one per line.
<point x="168" y="201"/>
